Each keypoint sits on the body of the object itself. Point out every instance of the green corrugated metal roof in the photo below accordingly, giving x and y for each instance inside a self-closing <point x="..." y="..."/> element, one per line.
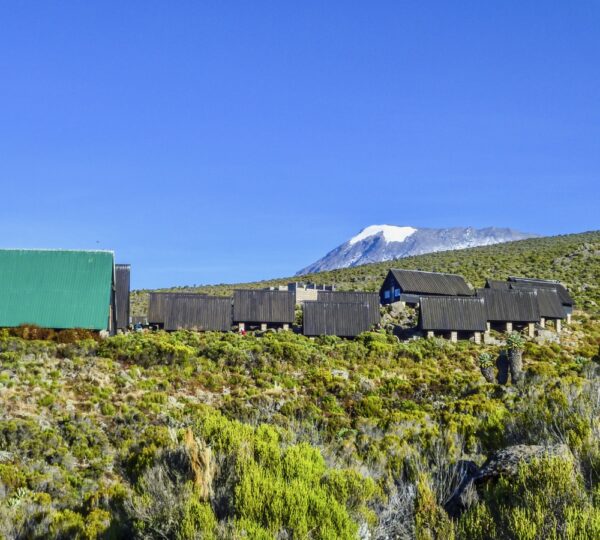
<point x="55" y="289"/>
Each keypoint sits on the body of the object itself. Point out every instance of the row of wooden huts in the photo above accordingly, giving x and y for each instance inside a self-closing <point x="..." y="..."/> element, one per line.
<point x="87" y="289"/>
<point x="449" y="307"/>
<point x="345" y="314"/>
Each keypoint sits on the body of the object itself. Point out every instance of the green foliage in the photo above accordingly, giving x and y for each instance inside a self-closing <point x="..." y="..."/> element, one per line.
<point x="273" y="487"/>
<point x="515" y="341"/>
<point x="431" y="521"/>
<point x="545" y="500"/>
<point x="146" y="349"/>
<point x="198" y="518"/>
<point x="308" y="438"/>
<point x="486" y="360"/>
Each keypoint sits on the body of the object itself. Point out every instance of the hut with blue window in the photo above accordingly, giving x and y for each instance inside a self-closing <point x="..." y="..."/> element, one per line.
<point x="408" y="286"/>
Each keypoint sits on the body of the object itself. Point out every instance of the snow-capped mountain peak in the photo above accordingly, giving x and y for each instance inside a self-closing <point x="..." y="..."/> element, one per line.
<point x="378" y="243"/>
<point x="391" y="233"/>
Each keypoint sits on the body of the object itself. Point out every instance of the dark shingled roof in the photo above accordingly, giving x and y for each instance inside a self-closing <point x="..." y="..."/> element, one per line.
<point x="550" y="304"/>
<point x="505" y="305"/>
<point x="372" y="299"/>
<point x="453" y="313"/>
<point x="417" y="282"/>
<point x="254" y="306"/>
<point x="344" y="319"/>
<point x="531" y="283"/>
<point x="496" y="284"/>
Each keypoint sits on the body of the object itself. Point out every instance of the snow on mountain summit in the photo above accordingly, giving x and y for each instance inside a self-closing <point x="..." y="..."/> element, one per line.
<point x="378" y="243"/>
<point x="391" y="233"/>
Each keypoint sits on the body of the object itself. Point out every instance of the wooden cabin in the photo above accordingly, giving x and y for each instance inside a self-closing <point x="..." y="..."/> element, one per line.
<point x="353" y="297"/>
<point x="122" y="292"/>
<point x="566" y="299"/>
<point x="455" y="317"/>
<point x="407" y="286"/>
<point x="343" y="319"/>
<point x="198" y="312"/>
<point x="191" y="311"/>
<point x="264" y="308"/>
<point x="158" y="305"/>
<point x="509" y="310"/>
<point x="551" y="308"/>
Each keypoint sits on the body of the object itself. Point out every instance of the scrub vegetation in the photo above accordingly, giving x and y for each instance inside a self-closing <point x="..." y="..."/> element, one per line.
<point x="277" y="436"/>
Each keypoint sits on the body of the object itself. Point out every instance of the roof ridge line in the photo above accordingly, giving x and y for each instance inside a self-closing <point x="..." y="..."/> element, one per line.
<point x="427" y="272"/>
<point x="61" y="250"/>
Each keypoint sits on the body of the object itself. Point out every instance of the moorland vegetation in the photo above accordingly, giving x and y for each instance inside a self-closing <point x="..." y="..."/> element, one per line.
<point x="277" y="436"/>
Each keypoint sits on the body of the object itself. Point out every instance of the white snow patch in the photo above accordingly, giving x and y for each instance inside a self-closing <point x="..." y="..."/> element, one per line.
<point x="391" y="233"/>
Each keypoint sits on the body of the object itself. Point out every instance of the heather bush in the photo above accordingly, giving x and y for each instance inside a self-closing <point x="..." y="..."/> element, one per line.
<point x="546" y="499"/>
<point x="146" y="349"/>
<point x="315" y="438"/>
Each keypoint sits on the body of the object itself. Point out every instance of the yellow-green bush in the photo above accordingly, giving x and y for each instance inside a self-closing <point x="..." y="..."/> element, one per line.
<point x="545" y="500"/>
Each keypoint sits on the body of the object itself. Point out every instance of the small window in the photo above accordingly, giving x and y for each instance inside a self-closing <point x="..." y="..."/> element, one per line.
<point x="386" y="294"/>
<point x="397" y="293"/>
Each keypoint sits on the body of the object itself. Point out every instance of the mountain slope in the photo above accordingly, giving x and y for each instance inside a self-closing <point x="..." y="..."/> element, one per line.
<point x="378" y="243"/>
<point x="574" y="259"/>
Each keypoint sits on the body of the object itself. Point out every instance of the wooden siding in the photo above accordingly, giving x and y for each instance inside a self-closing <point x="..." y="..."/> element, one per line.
<point x="344" y="319"/>
<point x="505" y="305"/>
<point x="122" y="285"/>
<point x="550" y="304"/>
<point x="452" y="313"/>
<point x="158" y="304"/>
<point x="254" y="306"/>
<point x="195" y="312"/>
<point x="372" y="299"/>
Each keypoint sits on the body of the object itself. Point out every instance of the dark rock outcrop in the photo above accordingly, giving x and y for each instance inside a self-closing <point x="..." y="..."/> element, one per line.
<point x="506" y="461"/>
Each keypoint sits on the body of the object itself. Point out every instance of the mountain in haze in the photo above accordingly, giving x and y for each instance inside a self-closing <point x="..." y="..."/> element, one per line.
<point x="378" y="243"/>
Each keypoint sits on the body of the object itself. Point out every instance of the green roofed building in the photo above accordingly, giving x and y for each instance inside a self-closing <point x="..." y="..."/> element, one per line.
<point x="57" y="289"/>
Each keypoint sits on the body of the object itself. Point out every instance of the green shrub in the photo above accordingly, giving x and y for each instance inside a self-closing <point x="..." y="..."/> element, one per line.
<point x="486" y="360"/>
<point x="546" y="499"/>
<point x="431" y="521"/>
<point x="146" y="349"/>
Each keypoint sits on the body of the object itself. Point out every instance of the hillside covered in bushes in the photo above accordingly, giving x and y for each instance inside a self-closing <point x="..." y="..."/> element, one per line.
<point x="190" y="435"/>
<point x="277" y="436"/>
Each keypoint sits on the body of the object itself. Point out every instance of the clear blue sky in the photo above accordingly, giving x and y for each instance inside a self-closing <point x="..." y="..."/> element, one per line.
<point x="225" y="141"/>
